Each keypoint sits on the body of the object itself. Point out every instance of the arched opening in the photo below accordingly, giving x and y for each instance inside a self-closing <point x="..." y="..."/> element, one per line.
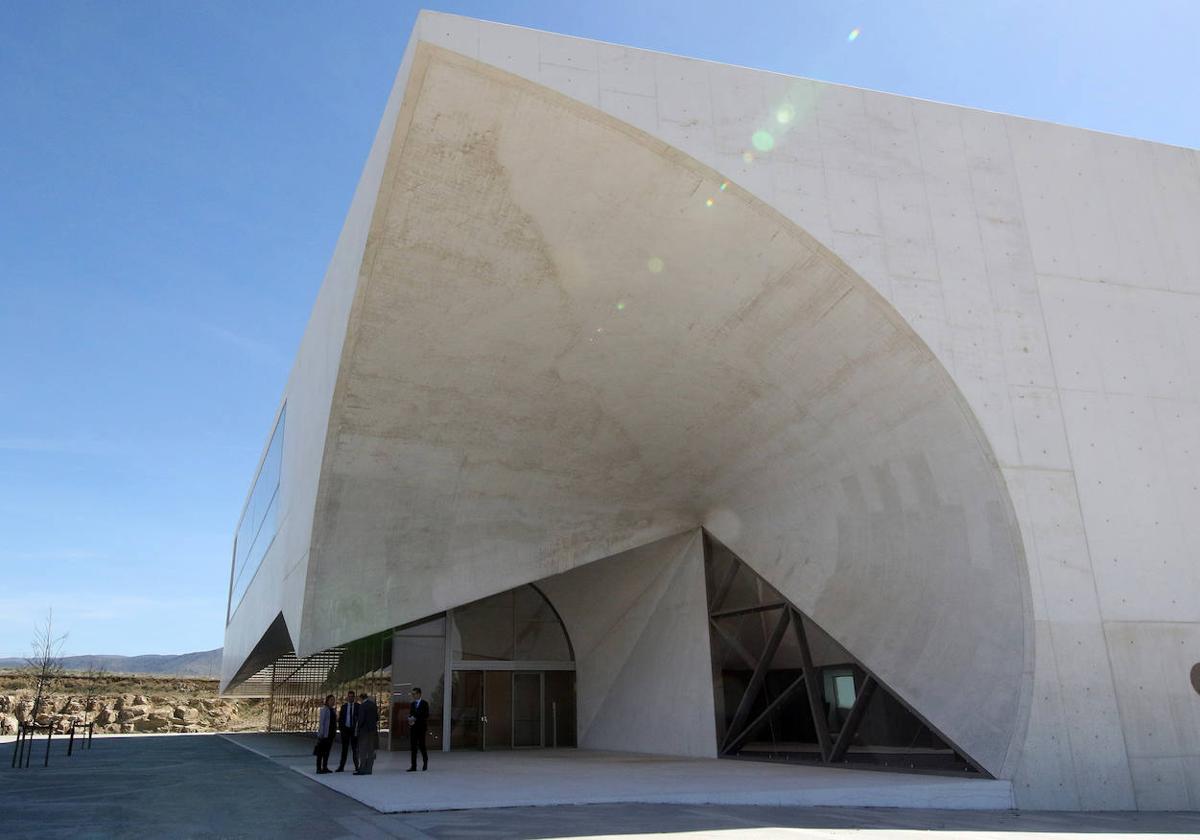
<point x="509" y="666"/>
<point x="598" y="363"/>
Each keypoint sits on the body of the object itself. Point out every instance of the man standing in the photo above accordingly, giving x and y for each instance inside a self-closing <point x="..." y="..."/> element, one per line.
<point x="347" y="720"/>
<point x="326" y="729"/>
<point x="418" y="720"/>
<point x="367" y="730"/>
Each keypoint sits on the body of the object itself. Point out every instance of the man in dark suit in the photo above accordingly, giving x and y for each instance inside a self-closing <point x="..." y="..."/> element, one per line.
<point x="418" y="725"/>
<point x="367" y="730"/>
<point x="347" y="720"/>
<point x="326" y="728"/>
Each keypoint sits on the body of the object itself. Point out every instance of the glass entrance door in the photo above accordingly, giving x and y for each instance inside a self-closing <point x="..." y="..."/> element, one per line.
<point x="527" y="709"/>
<point x="503" y="710"/>
<point x="482" y="710"/>
<point x="497" y="710"/>
<point x="466" y="710"/>
<point x="511" y="672"/>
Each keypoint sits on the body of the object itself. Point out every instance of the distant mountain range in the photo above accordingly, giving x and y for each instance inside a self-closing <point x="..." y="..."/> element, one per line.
<point x="204" y="663"/>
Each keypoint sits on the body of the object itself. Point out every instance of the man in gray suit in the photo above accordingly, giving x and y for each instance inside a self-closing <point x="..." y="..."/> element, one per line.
<point x="367" y="729"/>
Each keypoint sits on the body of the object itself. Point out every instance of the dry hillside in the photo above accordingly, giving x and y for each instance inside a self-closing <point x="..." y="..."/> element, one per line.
<point x="130" y="703"/>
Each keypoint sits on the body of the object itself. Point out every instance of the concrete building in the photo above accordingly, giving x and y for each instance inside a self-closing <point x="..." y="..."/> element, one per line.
<point x="824" y="425"/>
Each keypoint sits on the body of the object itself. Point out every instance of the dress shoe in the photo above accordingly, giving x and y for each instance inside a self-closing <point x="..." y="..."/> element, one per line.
<point x="340" y="770"/>
<point x="411" y="770"/>
<point x="426" y="767"/>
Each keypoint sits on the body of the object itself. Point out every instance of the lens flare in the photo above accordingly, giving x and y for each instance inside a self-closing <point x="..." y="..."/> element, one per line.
<point x="763" y="141"/>
<point x="655" y="264"/>
<point x="724" y="184"/>
<point x="748" y="157"/>
<point x="620" y="306"/>
<point x="854" y="33"/>
<point x="708" y="202"/>
<point x="784" y="114"/>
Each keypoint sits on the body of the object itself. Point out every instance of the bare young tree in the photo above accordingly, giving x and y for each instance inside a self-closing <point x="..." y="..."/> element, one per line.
<point x="45" y="662"/>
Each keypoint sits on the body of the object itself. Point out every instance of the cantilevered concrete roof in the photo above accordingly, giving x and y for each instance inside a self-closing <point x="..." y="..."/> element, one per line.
<point x="567" y="338"/>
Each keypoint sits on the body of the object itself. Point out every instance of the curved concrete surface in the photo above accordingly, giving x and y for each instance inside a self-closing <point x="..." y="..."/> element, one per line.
<point x="569" y="339"/>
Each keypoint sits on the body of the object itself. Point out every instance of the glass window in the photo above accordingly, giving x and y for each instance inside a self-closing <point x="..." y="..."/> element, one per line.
<point x="259" y="521"/>
<point x="787" y="691"/>
<point x="538" y="635"/>
<point x="518" y="625"/>
<point x="419" y="661"/>
<point x="485" y="629"/>
<point x="843" y="689"/>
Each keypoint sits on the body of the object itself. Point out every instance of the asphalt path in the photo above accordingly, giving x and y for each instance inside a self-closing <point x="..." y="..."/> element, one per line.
<point x="202" y="786"/>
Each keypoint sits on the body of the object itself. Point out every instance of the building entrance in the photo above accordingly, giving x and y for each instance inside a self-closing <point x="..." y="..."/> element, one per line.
<point x="503" y="669"/>
<point x="504" y="710"/>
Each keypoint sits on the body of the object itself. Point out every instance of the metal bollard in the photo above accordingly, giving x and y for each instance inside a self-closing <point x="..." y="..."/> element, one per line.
<point x="25" y="742"/>
<point x="17" y="743"/>
<point x="49" y="735"/>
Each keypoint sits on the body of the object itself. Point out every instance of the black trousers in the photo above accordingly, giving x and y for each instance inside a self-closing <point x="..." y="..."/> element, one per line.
<point x="349" y="745"/>
<point x="324" y="746"/>
<point x="416" y="741"/>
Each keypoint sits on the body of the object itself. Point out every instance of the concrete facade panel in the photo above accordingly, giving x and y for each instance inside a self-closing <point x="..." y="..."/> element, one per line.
<point x="281" y="579"/>
<point x="1053" y="273"/>
<point x="728" y="400"/>
<point x="1138" y="535"/>
<point x="639" y="625"/>
<point x="1157" y="655"/>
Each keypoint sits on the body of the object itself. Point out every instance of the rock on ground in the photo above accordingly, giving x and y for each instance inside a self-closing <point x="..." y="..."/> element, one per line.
<point x="117" y="703"/>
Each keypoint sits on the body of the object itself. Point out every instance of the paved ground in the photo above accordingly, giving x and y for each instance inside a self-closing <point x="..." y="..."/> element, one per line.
<point x="472" y="779"/>
<point x="201" y="786"/>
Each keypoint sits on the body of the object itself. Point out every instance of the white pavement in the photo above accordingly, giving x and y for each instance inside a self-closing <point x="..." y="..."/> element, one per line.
<point x="458" y="780"/>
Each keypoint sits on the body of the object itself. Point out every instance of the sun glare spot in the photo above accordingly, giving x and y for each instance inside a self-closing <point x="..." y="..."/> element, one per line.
<point x="763" y="141"/>
<point x="854" y="33"/>
<point x="785" y="114"/>
<point x="655" y="264"/>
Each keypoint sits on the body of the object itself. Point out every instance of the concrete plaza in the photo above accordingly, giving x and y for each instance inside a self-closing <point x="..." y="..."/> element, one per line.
<point x="471" y="779"/>
<point x="204" y="786"/>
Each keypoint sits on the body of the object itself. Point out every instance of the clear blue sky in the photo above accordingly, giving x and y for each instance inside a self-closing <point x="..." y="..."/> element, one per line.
<point x="173" y="177"/>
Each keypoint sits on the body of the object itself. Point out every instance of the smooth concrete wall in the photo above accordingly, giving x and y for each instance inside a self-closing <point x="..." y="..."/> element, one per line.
<point x="278" y="586"/>
<point x="525" y="389"/>
<point x="1055" y="273"/>
<point x="639" y="625"/>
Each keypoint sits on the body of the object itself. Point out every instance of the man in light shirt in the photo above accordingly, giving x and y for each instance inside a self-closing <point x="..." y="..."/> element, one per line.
<point x="326" y="729"/>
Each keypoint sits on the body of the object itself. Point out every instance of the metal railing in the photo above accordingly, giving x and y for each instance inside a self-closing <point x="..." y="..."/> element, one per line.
<point x="84" y="743"/>
<point x="26" y="732"/>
